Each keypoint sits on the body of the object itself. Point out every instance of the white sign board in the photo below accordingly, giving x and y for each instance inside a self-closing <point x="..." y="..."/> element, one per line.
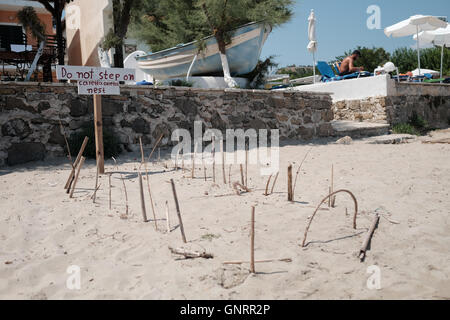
<point x="94" y="80"/>
<point x="89" y="87"/>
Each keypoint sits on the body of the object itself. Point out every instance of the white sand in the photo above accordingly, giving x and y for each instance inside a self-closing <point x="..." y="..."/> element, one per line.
<point x="43" y="232"/>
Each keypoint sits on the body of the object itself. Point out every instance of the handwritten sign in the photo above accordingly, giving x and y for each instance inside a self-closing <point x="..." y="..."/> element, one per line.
<point x="94" y="80"/>
<point x="89" y="87"/>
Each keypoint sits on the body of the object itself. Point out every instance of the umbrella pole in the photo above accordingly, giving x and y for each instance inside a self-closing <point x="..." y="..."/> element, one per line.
<point x="314" y="67"/>
<point x="418" y="50"/>
<point x="442" y="59"/>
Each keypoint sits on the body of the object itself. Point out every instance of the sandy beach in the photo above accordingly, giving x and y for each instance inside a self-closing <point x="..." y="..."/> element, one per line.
<point x="43" y="231"/>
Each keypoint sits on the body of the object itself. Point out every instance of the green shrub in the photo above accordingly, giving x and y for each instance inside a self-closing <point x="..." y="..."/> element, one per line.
<point x="111" y="144"/>
<point x="405" y="128"/>
<point x="417" y="121"/>
<point x="181" y="83"/>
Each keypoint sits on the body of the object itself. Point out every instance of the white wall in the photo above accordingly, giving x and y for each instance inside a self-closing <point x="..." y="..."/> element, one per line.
<point x="354" y="88"/>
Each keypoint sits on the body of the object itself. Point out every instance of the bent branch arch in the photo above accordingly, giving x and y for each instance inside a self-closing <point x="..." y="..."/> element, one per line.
<point x="322" y="202"/>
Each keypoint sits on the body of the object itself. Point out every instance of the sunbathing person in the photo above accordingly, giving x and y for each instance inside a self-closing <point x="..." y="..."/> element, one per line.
<point x="347" y="66"/>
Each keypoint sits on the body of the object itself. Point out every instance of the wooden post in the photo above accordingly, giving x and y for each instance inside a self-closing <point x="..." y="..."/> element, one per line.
<point x="167" y="217"/>
<point x="274" y="182"/>
<point x="214" y="158"/>
<point x="193" y="161"/>
<point x="99" y="153"/>
<point x="252" y="241"/>
<point x="246" y="166"/>
<point x="242" y="174"/>
<point x="94" y="196"/>
<point x="203" y="164"/>
<point x="77" y="160"/>
<point x="333" y="198"/>
<point x="362" y="252"/>
<point x="76" y="176"/>
<point x="109" y="179"/>
<point x="141" y="191"/>
<point x="178" y="210"/>
<point x="290" y="193"/>
<point x="223" y="161"/>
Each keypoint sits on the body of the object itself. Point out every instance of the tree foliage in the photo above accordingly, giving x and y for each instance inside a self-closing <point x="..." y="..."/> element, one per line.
<point x="404" y="58"/>
<point x="166" y="23"/>
<point x="430" y="58"/>
<point x="30" y="21"/>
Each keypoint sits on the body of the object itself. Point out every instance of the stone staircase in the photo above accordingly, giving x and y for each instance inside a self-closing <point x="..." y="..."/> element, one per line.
<point x="353" y="129"/>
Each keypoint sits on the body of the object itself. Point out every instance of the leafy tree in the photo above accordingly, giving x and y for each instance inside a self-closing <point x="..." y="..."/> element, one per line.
<point x="56" y="8"/>
<point x="122" y="13"/>
<point x="370" y="58"/>
<point x="405" y="59"/>
<point x="430" y="58"/>
<point x="295" y="72"/>
<point x="170" y="22"/>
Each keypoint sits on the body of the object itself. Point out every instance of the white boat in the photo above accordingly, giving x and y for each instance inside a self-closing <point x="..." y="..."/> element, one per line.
<point x="242" y="53"/>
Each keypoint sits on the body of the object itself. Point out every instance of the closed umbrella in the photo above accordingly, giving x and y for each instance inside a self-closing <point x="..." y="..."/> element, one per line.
<point x="439" y="37"/>
<point x="312" y="45"/>
<point x="415" y="25"/>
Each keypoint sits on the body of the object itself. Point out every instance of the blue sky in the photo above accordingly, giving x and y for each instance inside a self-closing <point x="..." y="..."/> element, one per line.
<point x="341" y="25"/>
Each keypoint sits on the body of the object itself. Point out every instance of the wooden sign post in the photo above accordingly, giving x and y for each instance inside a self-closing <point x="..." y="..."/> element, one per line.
<point x="99" y="152"/>
<point x="97" y="82"/>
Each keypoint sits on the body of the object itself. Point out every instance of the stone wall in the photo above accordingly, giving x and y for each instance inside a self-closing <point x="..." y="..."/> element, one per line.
<point x="432" y="102"/>
<point x="30" y="113"/>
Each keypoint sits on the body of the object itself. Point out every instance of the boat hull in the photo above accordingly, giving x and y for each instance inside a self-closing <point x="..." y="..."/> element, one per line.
<point x="243" y="53"/>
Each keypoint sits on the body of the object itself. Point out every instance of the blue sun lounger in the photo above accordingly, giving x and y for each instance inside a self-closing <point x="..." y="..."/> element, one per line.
<point x="329" y="75"/>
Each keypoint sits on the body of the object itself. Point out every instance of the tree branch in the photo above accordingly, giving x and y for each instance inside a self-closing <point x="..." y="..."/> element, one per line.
<point x="47" y="6"/>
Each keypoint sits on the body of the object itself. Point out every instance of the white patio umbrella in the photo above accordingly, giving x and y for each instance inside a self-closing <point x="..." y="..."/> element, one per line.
<point x="439" y="37"/>
<point x="312" y="45"/>
<point x="414" y="25"/>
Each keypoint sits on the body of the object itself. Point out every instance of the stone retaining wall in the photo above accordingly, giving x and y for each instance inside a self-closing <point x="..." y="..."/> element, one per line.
<point x="30" y="113"/>
<point x="432" y="102"/>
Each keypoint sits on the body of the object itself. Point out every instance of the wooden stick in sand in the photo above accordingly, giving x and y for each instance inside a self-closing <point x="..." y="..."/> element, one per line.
<point x="274" y="182"/>
<point x="156" y="144"/>
<point x="191" y="254"/>
<point x="252" y="241"/>
<point x="183" y="236"/>
<point x="333" y="198"/>
<point x="299" y="169"/>
<point x="148" y="184"/>
<point x="362" y="252"/>
<point x="109" y="179"/>
<point x="61" y="128"/>
<point x="246" y="166"/>
<point x="76" y="176"/>
<point x="259" y="261"/>
<point x="203" y="165"/>
<point x="266" y="193"/>
<point x="124" y="186"/>
<point x="323" y="201"/>
<point x="223" y="161"/>
<point x="77" y="160"/>
<point x="214" y="158"/>
<point x="229" y="174"/>
<point x="141" y="192"/>
<point x="94" y="196"/>
<point x="167" y="217"/>
<point x="290" y="190"/>
<point x="242" y="175"/>
<point x="193" y="161"/>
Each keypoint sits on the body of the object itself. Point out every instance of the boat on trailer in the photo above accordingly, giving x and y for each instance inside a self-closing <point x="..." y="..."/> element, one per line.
<point x="242" y="53"/>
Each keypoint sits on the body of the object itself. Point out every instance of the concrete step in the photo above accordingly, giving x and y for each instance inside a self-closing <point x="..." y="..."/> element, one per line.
<point x="355" y="129"/>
